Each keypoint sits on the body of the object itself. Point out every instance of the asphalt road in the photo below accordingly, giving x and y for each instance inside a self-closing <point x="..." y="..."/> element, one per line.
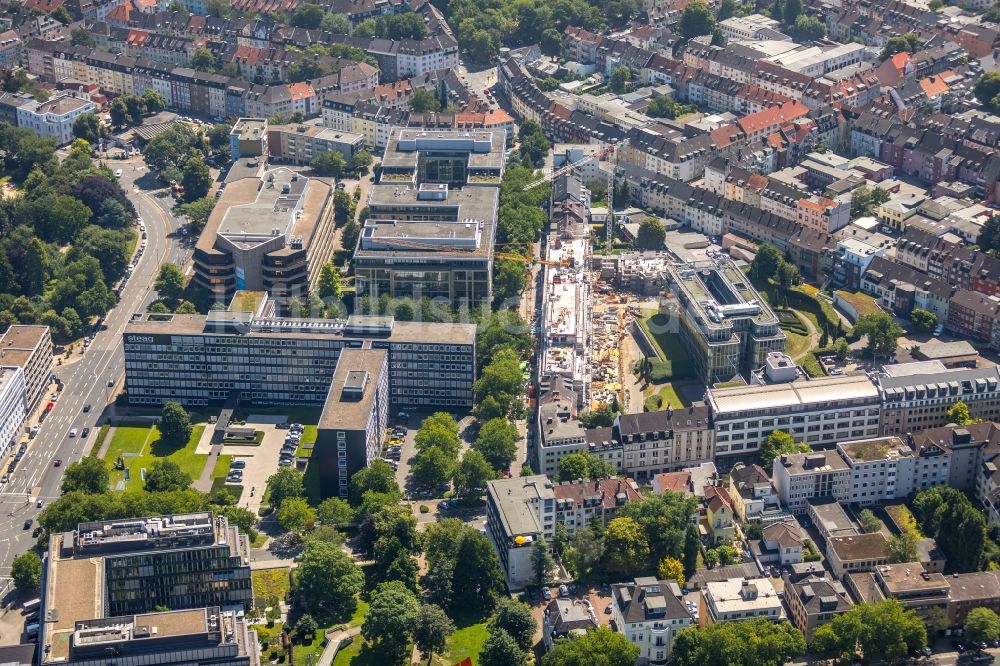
<point x="85" y="380"/>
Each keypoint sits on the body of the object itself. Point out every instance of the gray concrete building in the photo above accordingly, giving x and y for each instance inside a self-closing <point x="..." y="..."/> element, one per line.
<point x="352" y="426"/>
<point x="209" y="359"/>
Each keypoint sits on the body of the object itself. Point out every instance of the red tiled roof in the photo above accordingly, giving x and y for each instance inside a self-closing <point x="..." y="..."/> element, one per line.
<point x="607" y="489"/>
<point x="934" y="85"/>
<point x="300" y="90"/>
<point x="900" y="60"/>
<point x="43" y="5"/>
<point x="678" y="482"/>
<point x="772" y="117"/>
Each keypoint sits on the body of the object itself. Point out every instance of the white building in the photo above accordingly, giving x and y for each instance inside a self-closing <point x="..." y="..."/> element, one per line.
<point x="55" y="117"/>
<point x="12" y="406"/>
<point x="800" y="477"/>
<point x="752" y="26"/>
<point x="816" y="411"/>
<point x="519" y="511"/>
<point x="739" y="599"/>
<point x="649" y="613"/>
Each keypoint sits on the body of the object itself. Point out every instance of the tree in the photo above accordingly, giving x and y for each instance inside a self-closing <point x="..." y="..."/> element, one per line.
<point x="431" y="629"/>
<point x="923" y="320"/>
<point x="377" y="478"/>
<point x="361" y="160"/>
<point x="471" y="475"/>
<point x="196" y="178"/>
<point x="665" y="106"/>
<point x="497" y="441"/>
<point x="625" y="545"/>
<point x="500" y="649"/>
<point x="982" y="624"/>
<point x="307" y="15"/>
<point x="88" y="127"/>
<point x="842" y="349"/>
<point x="766" y="262"/>
<point x="791" y="11"/>
<point x="551" y="42"/>
<point x="424" y="101"/>
<point x="778" y="443"/>
<point x="903" y="548"/>
<point x="174" y="424"/>
<point x="885" y="631"/>
<point x="202" y="59"/>
<point x="329" y="163"/>
<point x="198" y="211"/>
<point x="534" y="145"/>
<point x="664" y="520"/>
<point x="118" y="113"/>
<point x="671" y="569"/>
<point x="336" y="24"/>
<point x="82" y="37"/>
<point x="89" y="475"/>
<point x="433" y="466"/>
<point x="169" y="282"/>
<point x="865" y="200"/>
<point x="757" y="642"/>
<point x="692" y="546"/>
<point x="501" y="380"/>
<point x="652" y="234"/>
<point x="987" y="88"/>
<point x="882" y="333"/>
<point x="218" y="135"/>
<point x="584" y="465"/>
<point x="808" y="28"/>
<point x="620" y="77"/>
<point x="295" y="514"/>
<point x="334" y="511"/>
<point x="165" y="475"/>
<point x="515" y="618"/>
<point x="478" y="580"/>
<point x="958" y="413"/>
<point x="305" y="628"/>
<point x="947" y="516"/>
<point x="599" y="646"/>
<point x="788" y="275"/>
<point x="390" y="619"/>
<point x="697" y="20"/>
<point x="439" y="430"/>
<point x="26" y="570"/>
<point x="869" y="523"/>
<point x="285" y="484"/>
<point x="328" y="579"/>
<point x="542" y="564"/>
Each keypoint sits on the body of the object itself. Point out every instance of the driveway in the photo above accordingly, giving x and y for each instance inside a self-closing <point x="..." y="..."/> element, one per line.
<point x="262" y="460"/>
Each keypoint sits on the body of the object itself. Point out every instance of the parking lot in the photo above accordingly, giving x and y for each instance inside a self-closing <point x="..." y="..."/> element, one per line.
<point x="598" y="597"/>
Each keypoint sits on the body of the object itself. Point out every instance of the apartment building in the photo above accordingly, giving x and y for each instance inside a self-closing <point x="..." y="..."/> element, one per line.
<point x="208" y="359"/>
<point x="105" y="581"/>
<point x="12" y="407"/>
<point x="519" y="511"/>
<point x="737" y="600"/>
<point x="432" y="217"/>
<point x="818" y="411"/>
<point x="649" y="613"/>
<point x="801" y="477"/>
<point x="908" y="583"/>
<point x="751" y="491"/>
<point x="29" y="348"/>
<point x="724" y="323"/>
<point x="815" y="601"/>
<point x="248" y="138"/>
<point x="54" y="118"/>
<point x="263" y="235"/>
<point x="579" y="503"/>
<point x="352" y="425"/>
<point x="299" y="144"/>
<point x="918" y="395"/>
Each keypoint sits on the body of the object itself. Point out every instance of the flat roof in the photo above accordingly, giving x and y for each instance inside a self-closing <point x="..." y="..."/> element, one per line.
<point x="352" y="390"/>
<point x="909" y="576"/>
<point x="946" y="350"/>
<point x="827" y="460"/>
<point x="249" y="128"/>
<point x="860" y="547"/>
<point x="879" y="448"/>
<point x="740" y="594"/>
<point x="803" y="393"/>
<point x="832" y="515"/>
<point x="484" y="148"/>
<point x="23" y="337"/>
<point x="720" y="292"/>
<point x="512" y="498"/>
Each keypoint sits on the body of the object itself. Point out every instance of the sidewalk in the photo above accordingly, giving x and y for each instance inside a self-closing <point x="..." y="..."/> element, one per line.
<point x="334" y="639"/>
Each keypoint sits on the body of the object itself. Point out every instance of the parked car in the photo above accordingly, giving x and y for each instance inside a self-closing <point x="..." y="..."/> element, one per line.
<point x="27" y="523"/>
<point x="563" y="591"/>
<point x="57" y="462"/>
<point x="285" y="462"/>
<point x="72" y="433"/>
<point x="546" y="593"/>
<point x="238" y="464"/>
<point x="86" y="431"/>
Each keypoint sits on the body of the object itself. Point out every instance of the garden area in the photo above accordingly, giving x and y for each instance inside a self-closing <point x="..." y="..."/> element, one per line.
<point x="134" y="448"/>
<point x="674" y="361"/>
<point x="661" y="396"/>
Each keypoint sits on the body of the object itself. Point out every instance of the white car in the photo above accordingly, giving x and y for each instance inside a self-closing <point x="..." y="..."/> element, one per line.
<point x="118" y="173"/>
<point x="72" y="433"/>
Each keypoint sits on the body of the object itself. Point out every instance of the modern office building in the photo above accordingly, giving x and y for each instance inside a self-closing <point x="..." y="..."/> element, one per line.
<point x="352" y="426"/>
<point x="818" y="411"/>
<point x="12" y="411"/>
<point x="724" y="323"/>
<point x="29" y="348"/>
<point x="203" y="359"/>
<point x="432" y="217"/>
<point x="104" y="582"/>
<point x="918" y="395"/>
<point x="264" y="234"/>
<point x="649" y="613"/>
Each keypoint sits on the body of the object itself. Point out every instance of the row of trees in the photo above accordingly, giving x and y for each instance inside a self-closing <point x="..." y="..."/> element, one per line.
<point x="64" y="240"/>
<point x="520" y="219"/>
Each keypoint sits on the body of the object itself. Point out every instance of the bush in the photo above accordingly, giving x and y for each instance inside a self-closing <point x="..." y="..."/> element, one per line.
<point x="661" y="371"/>
<point x="424" y="508"/>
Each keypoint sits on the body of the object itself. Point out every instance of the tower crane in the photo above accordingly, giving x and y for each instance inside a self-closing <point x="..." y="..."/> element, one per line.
<point x="601" y="154"/>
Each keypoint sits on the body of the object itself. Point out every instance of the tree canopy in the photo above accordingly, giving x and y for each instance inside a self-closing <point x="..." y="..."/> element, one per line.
<point x="757" y="642"/>
<point x="776" y="444"/>
<point x="885" y="631"/>
<point x="598" y="647"/>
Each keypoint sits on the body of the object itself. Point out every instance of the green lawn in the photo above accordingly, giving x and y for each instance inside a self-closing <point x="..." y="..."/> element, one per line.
<point x="668" y="343"/>
<point x="221" y="467"/>
<point x="663" y="395"/>
<point x="140" y="446"/>
<point x="305" y="447"/>
<point x="465" y="642"/>
<point x="270" y="583"/>
<point x="355" y="654"/>
<point x="796" y="344"/>
<point x="359" y="614"/>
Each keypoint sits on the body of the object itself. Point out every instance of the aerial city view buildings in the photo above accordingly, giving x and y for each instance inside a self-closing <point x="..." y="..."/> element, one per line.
<point x="448" y="332"/>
